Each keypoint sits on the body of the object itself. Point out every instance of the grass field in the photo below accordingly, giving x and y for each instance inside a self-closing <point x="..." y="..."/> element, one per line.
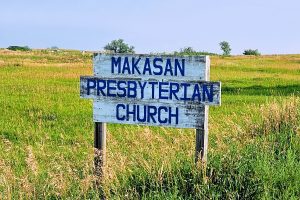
<point x="46" y="135"/>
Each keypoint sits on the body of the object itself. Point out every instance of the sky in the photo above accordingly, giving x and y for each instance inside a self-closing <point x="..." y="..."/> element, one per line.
<point x="271" y="26"/>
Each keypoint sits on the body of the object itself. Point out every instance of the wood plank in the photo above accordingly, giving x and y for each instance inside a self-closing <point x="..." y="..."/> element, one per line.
<point x="180" y="116"/>
<point x="151" y="91"/>
<point x="194" y="66"/>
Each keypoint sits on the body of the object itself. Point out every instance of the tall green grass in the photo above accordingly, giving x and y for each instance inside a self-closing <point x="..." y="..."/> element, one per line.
<point x="266" y="166"/>
<point x="46" y="135"/>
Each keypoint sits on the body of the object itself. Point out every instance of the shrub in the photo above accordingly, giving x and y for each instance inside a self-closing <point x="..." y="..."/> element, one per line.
<point x="251" y="52"/>
<point x="119" y="46"/>
<point x="18" y="48"/>
<point x="189" y="51"/>
<point x="225" y="47"/>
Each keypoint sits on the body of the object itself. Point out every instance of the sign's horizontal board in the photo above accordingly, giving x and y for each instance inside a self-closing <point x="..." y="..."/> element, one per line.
<point x="137" y="90"/>
<point x="158" y="114"/>
<point x="158" y="67"/>
<point x="155" y="90"/>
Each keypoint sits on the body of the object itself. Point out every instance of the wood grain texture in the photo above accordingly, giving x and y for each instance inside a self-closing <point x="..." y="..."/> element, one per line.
<point x="195" y="66"/>
<point x="146" y="94"/>
<point x="201" y="143"/>
<point x="100" y="150"/>
<point x="189" y="115"/>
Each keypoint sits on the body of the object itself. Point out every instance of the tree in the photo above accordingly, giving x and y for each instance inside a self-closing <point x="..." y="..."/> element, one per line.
<point x="251" y="52"/>
<point x="225" y="47"/>
<point x="18" y="48"/>
<point x="54" y="48"/>
<point x="118" y="46"/>
<point x="187" y="50"/>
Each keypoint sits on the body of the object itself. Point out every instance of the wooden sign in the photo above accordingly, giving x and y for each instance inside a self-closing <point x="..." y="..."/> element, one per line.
<point x="150" y="90"/>
<point x="154" y="90"/>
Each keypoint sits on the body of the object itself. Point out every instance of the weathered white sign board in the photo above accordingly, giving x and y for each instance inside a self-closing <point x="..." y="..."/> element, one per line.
<point x="151" y="89"/>
<point x="158" y="67"/>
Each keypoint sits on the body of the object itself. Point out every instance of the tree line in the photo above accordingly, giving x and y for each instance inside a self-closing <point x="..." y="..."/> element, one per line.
<point x="119" y="46"/>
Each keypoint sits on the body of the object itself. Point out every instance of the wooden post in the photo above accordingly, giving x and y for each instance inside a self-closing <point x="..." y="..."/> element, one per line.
<point x="100" y="148"/>
<point x="202" y="133"/>
<point x="202" y="140"/>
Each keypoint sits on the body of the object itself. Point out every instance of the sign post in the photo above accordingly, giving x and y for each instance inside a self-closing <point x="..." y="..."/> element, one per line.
<point x="201" y="146"/>
<point x="154" y="90"/>
<point x="202" y="140"/>
<point x="99" y="147"/>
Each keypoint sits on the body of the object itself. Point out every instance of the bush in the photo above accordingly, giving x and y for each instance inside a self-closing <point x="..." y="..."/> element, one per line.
<point x="189" y="51"/>
<point x="225" y="47"/>
<point x="119" y="46"/>
<point x="18" y="48"/>
<point x="251" y="52"/>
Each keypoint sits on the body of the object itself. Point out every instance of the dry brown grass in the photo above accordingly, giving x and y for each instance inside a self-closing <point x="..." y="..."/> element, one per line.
<point x="279" y="116"/>
<point x="31" y="161"/>
<point x="272" y="117"/>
